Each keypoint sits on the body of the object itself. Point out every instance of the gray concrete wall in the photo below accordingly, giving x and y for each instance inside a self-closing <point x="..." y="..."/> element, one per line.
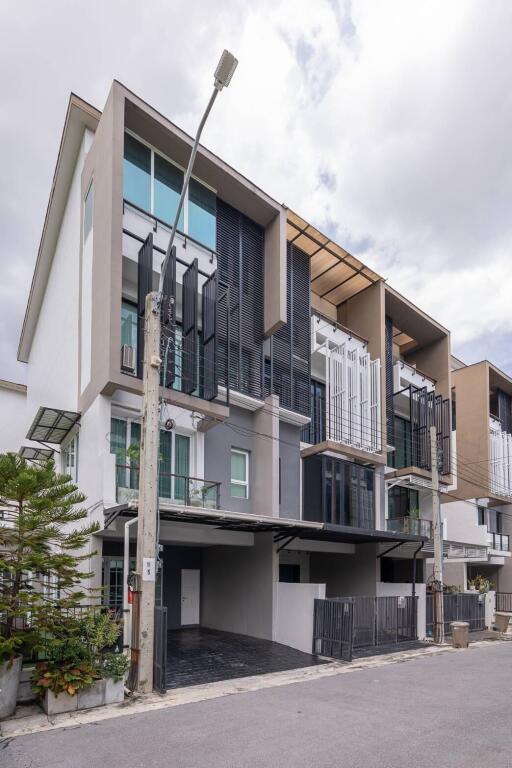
<point x="176" y="558"/>
<point x="237" y="588"/>
<point x="218" y="443"/>
<point x="346" y="575"/>
<point x="289" y="453"/>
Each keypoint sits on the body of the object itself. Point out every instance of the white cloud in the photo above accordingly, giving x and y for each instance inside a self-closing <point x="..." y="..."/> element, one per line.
<point x="386" y="123"/>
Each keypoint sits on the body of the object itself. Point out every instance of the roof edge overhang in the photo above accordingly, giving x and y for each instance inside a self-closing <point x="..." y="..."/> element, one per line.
<point x="79" y="116"/>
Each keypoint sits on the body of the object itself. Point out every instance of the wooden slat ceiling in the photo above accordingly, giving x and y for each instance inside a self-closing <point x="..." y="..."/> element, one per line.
<point x="336" y="275"/>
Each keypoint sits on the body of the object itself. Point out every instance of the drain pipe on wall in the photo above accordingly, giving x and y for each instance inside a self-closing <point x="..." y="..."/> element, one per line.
<point x="127" y="609"/>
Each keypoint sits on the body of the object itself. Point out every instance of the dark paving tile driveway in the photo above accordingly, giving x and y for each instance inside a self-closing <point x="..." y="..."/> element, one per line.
<point x="196" y="656"/>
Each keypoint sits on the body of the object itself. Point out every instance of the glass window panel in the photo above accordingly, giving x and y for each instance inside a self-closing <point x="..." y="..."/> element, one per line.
<point x="165" y="479"/>
<point x="129" y="324"/>
<point x="167" y="190"/>
<point x="239" y="491"/>
<point x="182" y="449"/>
<point x="88" y="211"/>
<point x="134" y="458"/>
<point x="239" y="466"/>
<point x="202" y="210"/>
<point x="137" y="173"/>
<point x="118" y="446"/>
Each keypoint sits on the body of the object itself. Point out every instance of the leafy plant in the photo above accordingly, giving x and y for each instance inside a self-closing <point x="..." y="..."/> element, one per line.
<point x="43" y="540"/>
<point x="99" y="630"/>
<point x="113" y="665"/>
<point x="58" y="677"/>
<point x="481" y="583"/>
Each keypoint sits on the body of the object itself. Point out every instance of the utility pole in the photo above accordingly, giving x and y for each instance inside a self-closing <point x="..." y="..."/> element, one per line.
<point x="147" y="543"/>
<point x="438" y="542"/>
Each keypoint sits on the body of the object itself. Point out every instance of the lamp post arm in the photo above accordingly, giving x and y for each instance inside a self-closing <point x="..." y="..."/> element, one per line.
<point x="186" y="180"/>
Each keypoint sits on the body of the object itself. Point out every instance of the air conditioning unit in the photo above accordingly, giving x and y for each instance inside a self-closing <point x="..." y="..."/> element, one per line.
<point x="128" y="359"/>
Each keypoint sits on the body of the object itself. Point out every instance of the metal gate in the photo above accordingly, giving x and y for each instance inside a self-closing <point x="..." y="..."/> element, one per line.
<point x="160" y="650"/>
<point x="458" y="607"/>
<point x="384" y="620"/>
<point x="333" y="628"/>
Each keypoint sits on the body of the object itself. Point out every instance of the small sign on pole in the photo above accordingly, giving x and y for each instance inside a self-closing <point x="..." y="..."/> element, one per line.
<point x="148" y="569"/>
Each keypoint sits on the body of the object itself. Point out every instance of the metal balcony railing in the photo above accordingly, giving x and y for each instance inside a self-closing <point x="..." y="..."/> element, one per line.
<point x="180" y="489"/>
<point x="411" y="526"/>
<point x="498" y="541"/>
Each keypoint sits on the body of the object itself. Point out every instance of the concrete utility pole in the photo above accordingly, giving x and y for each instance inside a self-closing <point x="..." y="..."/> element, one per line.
<point x="147" y="543"/>
<point x="438" y="542"/>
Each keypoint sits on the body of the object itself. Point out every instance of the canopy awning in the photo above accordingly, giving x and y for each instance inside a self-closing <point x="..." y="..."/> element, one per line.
<point x="283" y="528"/>
<point x="52" y="425"/>
<point x="36" y="454"/>
<point x="336" y="275"/>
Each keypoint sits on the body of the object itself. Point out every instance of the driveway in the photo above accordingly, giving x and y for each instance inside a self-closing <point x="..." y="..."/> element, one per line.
<point x="197" y="655"/>
<point x="450" y="710"/>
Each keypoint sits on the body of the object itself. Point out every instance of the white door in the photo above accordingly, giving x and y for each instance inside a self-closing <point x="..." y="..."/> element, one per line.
<point x="190" y="579"/>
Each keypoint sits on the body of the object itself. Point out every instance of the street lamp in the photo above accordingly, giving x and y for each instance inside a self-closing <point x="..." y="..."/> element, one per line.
<point x="147" y="543"/>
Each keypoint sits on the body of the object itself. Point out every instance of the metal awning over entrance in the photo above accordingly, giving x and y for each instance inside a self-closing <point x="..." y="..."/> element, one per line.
<point x="35" y="454"/>
<point x="283" y="528"/>
<point x="52" y="425"/>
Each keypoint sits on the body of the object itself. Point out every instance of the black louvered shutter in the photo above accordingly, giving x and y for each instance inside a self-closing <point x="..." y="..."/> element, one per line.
<point x="168" y="320"/>
<point x="240" y="249"/>
<point x="209" y="317"/>
<point x="505" y="411"/>
<point x="390" y="403"/>
<point x="144" y="286"/>
<point x="291" y="353"/>
<point x="189" y="312"/>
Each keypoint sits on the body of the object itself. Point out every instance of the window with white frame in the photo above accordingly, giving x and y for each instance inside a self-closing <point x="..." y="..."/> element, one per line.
<point x="154" y="183"/>
<point x="69" y="458"/>
<point x="239" y="473"/>
<point x="88" y="211"/>
<point x="174" y="465"/>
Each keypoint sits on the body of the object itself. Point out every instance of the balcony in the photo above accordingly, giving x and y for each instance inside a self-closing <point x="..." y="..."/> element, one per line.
<point x="498" y="542"/>
<point x="501" y="459"/>
<point x="172" y="488"/>
<point x="347" y="408"/>
<point x="411" y="526"/>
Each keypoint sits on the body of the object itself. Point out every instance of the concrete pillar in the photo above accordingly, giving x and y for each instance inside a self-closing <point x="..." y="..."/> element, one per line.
<point x="265" y="463"/>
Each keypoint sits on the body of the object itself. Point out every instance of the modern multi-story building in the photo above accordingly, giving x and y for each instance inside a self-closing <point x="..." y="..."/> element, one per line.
<point x="297" y="386"/>
<point x="482" y="396"/>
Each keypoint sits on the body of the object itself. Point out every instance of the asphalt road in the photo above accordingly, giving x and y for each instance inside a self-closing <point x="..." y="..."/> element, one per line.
<point x="447" y="710"/>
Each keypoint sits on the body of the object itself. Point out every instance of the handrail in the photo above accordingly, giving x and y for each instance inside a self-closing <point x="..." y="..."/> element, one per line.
<point x="169" y="227"/>
<point x="335" y="324"/>
<point x="136" y="468"/>
<point x="413" y="526"/>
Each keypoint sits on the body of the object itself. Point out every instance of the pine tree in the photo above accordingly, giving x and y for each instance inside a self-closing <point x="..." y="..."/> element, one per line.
<point x="43" y="536"/>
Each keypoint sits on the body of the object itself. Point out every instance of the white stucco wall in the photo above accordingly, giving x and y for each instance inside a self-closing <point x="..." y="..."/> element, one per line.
<point x="13" y="405"/>
<point x="460" y="523"/>
<point x="52" y="375"/>
<point x="293" y="608"/>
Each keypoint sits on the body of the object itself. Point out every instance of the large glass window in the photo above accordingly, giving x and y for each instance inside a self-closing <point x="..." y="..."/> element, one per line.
<point x="154" y="183"/>
<point x="118" y="447"/>
<point x="202" y="214"/>
<point x="69" y="455"/>
<point x="240" y="474"/>
<point x="174" y="465"/>
<point x="167" y="190"/>
<point x="137" y="173"/>
<point x="129" y="324"/>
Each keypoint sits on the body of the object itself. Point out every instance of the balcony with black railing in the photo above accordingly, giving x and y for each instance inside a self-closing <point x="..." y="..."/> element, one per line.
<point x="498" y="542"/>
<point x="172" y="488"/>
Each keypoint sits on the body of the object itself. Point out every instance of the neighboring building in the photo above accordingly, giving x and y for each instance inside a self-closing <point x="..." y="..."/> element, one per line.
<point x="297" y="386"/>
<point x="477" y="530"/>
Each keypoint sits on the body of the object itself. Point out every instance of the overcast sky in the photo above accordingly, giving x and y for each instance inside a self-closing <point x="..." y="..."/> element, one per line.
<point x="386" y="124"/>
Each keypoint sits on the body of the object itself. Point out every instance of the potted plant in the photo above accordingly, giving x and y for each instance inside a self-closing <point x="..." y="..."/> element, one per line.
<point x="81" y="670"/>
<point x="40" y="536"/>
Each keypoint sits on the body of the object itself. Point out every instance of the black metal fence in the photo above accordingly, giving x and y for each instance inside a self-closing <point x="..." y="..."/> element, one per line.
<point x="384" y="620"/>
<point x="333" y="628"/>
<point x="342" y="625"/>
<point x="160" y="650"/>
<point x="504" y="601"/>
<point x="458" y="607"/>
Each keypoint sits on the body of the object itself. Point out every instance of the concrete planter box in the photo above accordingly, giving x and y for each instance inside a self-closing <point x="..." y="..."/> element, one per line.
<point x="25" y="692"/>
<point x="101" y="692"/>
<point x="9" y="680"/>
